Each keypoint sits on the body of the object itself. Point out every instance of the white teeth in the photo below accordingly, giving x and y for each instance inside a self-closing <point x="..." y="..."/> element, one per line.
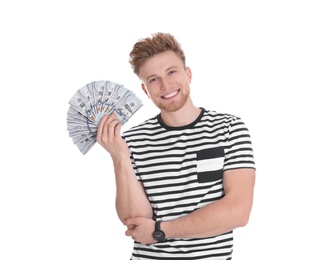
<point x="171" y="94"/>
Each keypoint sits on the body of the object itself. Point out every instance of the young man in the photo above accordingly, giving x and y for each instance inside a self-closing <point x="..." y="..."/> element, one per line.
<point x="184" y="178"/>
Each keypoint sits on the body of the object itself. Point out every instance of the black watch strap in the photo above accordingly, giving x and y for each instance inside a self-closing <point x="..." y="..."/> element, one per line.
<point x="158" y="226"/>
<point x="158" y="234"/>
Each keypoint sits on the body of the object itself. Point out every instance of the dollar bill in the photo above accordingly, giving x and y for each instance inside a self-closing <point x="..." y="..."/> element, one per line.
<point x="127" y="106"/>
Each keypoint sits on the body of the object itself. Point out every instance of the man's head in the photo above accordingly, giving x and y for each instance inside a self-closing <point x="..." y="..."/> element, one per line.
<point x="148" y="47"/>
<point x="159" y="63"/>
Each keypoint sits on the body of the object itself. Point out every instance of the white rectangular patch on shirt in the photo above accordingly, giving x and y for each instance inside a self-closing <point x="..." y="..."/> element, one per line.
<point x="213" y="164"/>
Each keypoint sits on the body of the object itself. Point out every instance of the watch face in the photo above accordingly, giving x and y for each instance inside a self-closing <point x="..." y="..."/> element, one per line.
<point x="158" y="235"/>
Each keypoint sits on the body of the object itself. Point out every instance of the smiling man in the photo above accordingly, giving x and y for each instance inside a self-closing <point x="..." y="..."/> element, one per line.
<point x="166" y="81"/>
<point x="185" y="177"/>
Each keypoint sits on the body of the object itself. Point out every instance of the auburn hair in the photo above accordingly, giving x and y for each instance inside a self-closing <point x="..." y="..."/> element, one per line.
<point x="148" y="47"/>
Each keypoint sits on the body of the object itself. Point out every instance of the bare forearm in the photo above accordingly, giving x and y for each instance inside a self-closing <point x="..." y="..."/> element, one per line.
<point x="224" y="215"/>
<point x="131" y="200"/>
<point x="216" y="218"/>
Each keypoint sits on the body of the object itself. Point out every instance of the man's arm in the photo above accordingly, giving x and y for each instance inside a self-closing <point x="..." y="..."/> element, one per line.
<point x="131" y="200"/>
<point x="224" y="215"/>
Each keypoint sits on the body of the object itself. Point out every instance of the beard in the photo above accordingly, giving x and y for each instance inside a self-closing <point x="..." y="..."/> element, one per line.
<point x="174" y="105"/>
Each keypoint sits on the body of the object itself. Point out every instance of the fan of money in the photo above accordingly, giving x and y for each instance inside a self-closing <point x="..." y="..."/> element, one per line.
<point x="90" y="103"/>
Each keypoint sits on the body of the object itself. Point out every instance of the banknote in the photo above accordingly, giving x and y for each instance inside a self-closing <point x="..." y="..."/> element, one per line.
<point x="126" y="106"/>
<point x="90" y="103"/>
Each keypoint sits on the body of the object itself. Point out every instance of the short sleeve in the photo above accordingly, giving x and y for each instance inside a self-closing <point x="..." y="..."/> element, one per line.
<point x="239" y="151"/>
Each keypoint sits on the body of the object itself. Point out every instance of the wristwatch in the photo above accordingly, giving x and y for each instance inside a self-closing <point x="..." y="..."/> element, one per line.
<point x="158" y="234"/>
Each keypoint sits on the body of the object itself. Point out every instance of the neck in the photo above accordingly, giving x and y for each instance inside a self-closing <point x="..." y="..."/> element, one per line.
<point x="184" y="116"/>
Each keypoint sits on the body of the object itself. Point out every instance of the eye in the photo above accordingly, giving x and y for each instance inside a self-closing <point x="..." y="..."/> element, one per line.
<point x="171" y="72"/>
<point x="151" y="80"/>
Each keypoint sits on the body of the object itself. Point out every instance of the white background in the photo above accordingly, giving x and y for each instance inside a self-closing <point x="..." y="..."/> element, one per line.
<point x="265" y="61"/>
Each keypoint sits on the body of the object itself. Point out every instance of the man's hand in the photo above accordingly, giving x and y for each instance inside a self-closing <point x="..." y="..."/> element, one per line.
<point x="140" y="229"/>
<point x="109" y="136"/>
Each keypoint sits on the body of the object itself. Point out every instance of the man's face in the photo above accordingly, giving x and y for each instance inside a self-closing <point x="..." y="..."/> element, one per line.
<point x="166" y="81"/>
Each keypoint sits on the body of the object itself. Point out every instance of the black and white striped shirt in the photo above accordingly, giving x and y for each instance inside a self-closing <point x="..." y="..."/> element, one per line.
<point x="181" y="169"/>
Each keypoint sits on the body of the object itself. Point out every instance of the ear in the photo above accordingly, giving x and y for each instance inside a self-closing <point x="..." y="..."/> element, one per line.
<point x="144" y="89"/>
<point x="189" y="74"/>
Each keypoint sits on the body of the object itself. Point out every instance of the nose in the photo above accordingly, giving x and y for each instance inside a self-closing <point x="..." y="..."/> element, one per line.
<point x="165" y="83"/>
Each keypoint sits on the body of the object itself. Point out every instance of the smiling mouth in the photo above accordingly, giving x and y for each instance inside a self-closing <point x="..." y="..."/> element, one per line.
<point x="172" y="94"/>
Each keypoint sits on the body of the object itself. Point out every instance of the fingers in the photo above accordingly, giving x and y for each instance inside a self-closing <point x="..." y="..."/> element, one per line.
<point x="108" y="127"/>
<point x="131" y="222"/>
<point x="118" y="127"/>
<point x="131" y="226"/>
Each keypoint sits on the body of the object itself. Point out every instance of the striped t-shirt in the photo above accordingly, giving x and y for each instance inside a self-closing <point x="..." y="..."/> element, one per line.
<point x="181" y="169"/>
